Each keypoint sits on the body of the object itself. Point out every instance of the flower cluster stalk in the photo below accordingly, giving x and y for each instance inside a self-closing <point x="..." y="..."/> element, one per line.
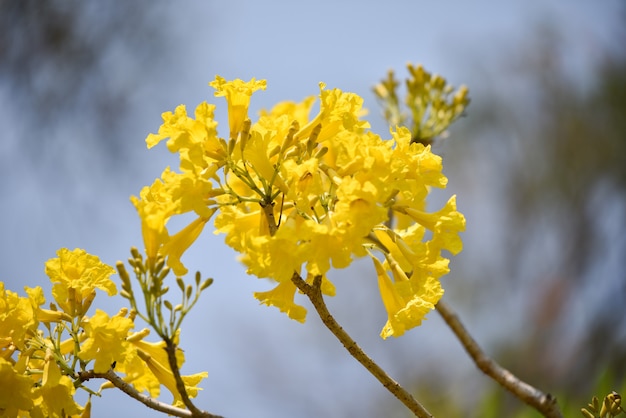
<point x="314" y="293"/>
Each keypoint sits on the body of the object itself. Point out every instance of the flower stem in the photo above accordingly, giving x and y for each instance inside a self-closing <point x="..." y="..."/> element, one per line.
<point x="314" y="293"/>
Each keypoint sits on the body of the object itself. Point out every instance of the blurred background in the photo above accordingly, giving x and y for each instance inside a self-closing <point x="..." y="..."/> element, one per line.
<point x="538" y="165"/>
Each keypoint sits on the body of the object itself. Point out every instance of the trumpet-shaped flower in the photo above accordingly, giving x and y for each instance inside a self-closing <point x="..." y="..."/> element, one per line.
<point x="106" y="339"/>
<point x="194" y="139"/>
<point x="445" y="224"/>
<point x="180" y="242"/>
<point x="171" y="195"/>
<point x="237" y="94"/>
<point x="57" y="391"/>
<point x="154" y="207"/>
<point x="155" y="358"/>
<point x="407" y="300"/>
<point x="282" y="298"/>
<point x="18" y="397"/>
<point x="76" y="275"/>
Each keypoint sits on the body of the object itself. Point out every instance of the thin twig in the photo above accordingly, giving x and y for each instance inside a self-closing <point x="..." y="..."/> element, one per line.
<point x="543" y="402"/>
<point x="314" y="293"/>
<point x="144" y="399"/>
<point x="170" y="348"/>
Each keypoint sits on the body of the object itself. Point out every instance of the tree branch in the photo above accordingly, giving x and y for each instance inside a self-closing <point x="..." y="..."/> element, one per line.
<point x="543" y="402"/>
<point x="144" y="399"/>
<point x="314" y="293"/>
<point x="170" y="348"/>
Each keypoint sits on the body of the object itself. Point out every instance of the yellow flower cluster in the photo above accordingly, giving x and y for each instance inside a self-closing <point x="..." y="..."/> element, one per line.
<point x="297" y="195"/>
<point x="43" y="371"/>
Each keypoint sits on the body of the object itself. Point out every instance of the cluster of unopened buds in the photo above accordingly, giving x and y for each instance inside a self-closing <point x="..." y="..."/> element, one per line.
<point x="610" y="407"/>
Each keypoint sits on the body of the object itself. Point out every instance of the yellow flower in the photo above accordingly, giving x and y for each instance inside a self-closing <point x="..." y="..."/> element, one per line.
<point x="416" y="161"/>
<point x="57" y="391"/>
<point x="174" y="194"/>
<point x="407" y="300"/>
<point x="134" y="367"/>
<point x="256" y="154"/>
<point x="189" y="192"/>
<point x="155" y="357"/>
<point x="195" y="139"/>
<point x="154" y="207"/>
<point x="180" y="242"/>
<point x="445" y="224"/>
<point x="237" y="94"/>
<point x="282" y="298"/>
<point x="359" y="208"/>
<point x="173" y="126"/>
<point x="305" y="181"/>
<point x="75" y="276"/>
<point x="106" y="339"/>
<point x="338" y="111"/>
<point x="18" y="396"/>
<point x="17" y="320"/>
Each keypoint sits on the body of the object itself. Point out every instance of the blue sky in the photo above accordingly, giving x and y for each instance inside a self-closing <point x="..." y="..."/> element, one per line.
<point x="260" y="363"/>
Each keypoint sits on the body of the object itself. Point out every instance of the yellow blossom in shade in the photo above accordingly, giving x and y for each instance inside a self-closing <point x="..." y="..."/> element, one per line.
<point x="57" y="391"/>
<point x="18" y="397"/>
<point x="282" y="298"/>
<point x="358" y="207"/>
<point x="238" y="224"/>
<point x="106" y="339"/>
<point x="237" y="94"/>
<point x="256" y="154"/>
<point x="75" y="275"/>
<point x="305" y="182"/>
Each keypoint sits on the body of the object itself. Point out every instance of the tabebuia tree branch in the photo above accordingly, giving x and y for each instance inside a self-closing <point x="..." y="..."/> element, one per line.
<point x="151" y="403"/>
<point x="170" y="348"/>
<point x="543" y="402"/>
<point x="314" y="293"/>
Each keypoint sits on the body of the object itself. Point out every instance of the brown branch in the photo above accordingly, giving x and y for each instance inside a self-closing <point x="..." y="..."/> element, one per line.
<point x="543" y="402"/>
<point x="170" y="348"/>
<point x="314" y="293"/>
<point x="152" y="403"/>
